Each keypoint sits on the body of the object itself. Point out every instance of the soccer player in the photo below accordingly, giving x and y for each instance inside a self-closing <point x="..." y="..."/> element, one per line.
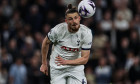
<point x="71" y="49"/>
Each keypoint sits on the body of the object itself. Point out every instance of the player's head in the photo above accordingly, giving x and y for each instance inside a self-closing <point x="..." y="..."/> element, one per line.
<point x="72" y="18"/>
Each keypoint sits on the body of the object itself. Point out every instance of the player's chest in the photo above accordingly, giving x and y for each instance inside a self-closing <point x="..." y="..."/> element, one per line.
<point x="70" y="40"/>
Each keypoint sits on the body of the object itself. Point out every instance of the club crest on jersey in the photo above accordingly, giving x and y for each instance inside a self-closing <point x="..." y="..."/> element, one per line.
<point x="78" y="42"/>
<point x="70" y="49"/>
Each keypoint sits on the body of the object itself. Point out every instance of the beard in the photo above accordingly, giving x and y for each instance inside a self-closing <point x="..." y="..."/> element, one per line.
<point x="74" y="27"/>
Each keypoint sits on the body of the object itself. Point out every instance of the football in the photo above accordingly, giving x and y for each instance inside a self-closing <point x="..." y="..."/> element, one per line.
<point x="86" y="8"/>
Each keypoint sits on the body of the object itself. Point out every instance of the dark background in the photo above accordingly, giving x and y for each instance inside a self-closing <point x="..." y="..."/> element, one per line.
<point x="116" y="40"/>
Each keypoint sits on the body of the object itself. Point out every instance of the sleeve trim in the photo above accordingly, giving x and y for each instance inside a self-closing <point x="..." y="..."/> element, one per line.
<point x="48" y="37"/>
<point x="86" y="48"/>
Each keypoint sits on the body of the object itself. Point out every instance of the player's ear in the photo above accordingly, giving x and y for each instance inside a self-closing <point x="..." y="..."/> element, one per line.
<point x="65" y="20"/>
<point x="79" y="18"/>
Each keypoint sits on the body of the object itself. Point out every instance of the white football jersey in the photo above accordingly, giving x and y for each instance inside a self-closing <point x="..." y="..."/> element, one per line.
<point x="69" y="45"/>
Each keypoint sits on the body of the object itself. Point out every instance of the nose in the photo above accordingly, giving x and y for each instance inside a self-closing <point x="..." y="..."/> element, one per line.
<point x="74" y="20"/>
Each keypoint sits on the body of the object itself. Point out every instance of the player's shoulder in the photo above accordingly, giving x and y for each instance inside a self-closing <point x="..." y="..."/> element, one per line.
<point x="60" y="27"/>
<point x="85" y="29"/>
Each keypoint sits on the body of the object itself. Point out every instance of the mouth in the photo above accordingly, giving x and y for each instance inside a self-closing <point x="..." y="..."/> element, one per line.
<point x="74" y="24"/>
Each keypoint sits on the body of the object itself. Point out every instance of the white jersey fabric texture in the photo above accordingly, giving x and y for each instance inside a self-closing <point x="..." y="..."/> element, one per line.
<point x="69" y="45"/>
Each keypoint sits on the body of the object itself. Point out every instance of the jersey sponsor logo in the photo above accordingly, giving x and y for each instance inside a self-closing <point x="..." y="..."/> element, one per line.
<point x="70" y="49"/>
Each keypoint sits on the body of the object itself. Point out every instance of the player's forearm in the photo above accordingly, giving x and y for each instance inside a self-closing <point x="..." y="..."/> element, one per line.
<point x="45" y="48"/>
<point x="82" y="60"/>
<point x="44" y="54"/>
<point x="79" y="61"/>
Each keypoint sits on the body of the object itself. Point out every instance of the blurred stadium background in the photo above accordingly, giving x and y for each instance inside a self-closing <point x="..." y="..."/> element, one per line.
<point x="115" y="54"/>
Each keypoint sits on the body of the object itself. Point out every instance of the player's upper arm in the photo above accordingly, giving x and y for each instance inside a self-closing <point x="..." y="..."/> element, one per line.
<point x="46" y="41"/>
<point x="52" y="35"/>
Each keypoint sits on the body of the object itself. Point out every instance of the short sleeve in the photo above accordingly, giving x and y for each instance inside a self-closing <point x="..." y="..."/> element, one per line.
<point x="87" y="41"/>
<point x="52" y="36"/>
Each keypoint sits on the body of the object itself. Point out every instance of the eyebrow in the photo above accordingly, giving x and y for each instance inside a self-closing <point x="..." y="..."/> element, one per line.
<point x="73" y="17"/>
<point x="69" y="17"/>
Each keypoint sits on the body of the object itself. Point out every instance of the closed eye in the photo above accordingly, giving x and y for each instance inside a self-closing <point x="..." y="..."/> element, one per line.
<point x="69" y="18"/>
<point x="75" y="17"/>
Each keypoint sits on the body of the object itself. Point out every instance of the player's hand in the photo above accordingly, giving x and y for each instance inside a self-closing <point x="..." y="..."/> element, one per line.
<point x="44" y="69"/>
<point x="60" y="61"/>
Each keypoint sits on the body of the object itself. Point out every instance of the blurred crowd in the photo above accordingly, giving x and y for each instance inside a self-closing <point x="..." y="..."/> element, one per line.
<point x="115" y="53"/>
